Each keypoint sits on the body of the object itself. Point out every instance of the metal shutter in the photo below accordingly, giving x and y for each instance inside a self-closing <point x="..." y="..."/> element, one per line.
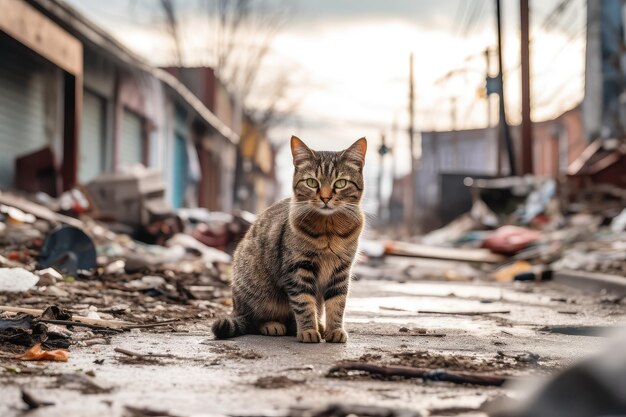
<point x="131" y="141"/>
<point x="22" y="111"/>
<point x="92" y="133"/>
<point x="181" y="168"/>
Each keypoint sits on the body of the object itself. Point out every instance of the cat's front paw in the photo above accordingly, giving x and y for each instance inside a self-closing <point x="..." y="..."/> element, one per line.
<point x="273" y="328"/>
<point x="336" y="336"/>
<point x="309" y="336"/>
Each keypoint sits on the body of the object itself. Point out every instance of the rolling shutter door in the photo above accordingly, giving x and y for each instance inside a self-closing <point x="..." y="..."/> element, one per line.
<point x="22" y="110"/>
<point x="91" y="137"/>
<point x="131" y="141"/>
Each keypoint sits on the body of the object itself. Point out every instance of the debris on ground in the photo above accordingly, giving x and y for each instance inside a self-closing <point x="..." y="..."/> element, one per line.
<point x="132" y="411"/>
<point x="426" y="374"/>
<point x="523" y="229"/>
<point x="275" y="382"/>
<point x="17" y="280"/>
<point x="36" y="353"/>
<point x="428" y="366"/>
<point x="81" y="383"/>
<point x="346" y="410"/>
<point x="33" y="403"/>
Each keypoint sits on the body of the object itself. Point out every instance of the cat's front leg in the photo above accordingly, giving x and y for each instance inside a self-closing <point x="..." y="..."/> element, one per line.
<point x="305" y="311"/>
<point x="335" y="302"/>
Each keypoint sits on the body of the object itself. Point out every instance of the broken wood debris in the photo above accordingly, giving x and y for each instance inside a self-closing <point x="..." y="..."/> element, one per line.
<point x="111" y="324"/>
<point x="464" y="313"/>
<point x="424" y="374"/>
<point x="143" y="355"/>
<point x="425" y="251"/>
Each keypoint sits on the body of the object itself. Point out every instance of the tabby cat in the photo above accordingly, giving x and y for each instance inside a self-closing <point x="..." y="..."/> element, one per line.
<point x="294" y="263"/>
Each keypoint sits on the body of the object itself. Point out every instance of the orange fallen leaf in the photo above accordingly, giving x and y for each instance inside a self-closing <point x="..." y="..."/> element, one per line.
<point x="36" y="353"/>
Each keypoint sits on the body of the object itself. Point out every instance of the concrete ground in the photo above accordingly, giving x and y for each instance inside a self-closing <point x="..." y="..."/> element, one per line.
<point x="209" y="377"/>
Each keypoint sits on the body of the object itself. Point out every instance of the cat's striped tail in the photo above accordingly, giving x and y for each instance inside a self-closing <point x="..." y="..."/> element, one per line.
<point x="230" y="326"/>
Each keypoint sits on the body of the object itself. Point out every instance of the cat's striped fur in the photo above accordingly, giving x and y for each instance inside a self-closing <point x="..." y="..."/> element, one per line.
<point x="295" y="261"/>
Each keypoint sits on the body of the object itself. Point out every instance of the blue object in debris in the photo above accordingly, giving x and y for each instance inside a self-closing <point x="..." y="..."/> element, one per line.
<point x="68" y="249"/>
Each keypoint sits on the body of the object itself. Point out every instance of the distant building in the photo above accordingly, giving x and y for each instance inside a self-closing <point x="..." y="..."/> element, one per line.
<point x="76" y="102"/>
<point x="450" y="156"/>
<point x="257" y="185"/>
<point x="253" y="186"/>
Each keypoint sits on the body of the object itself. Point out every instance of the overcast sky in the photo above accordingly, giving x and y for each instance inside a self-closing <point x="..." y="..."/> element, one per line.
<point x="350" y="62"/>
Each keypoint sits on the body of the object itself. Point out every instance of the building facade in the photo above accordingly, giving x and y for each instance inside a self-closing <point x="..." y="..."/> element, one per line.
<point x="75" y="103"/>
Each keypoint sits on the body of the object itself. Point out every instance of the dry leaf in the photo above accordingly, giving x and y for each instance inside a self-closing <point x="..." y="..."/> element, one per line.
<point x="36" y="353"/>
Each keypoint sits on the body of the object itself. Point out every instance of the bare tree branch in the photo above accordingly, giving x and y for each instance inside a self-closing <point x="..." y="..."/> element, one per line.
<point x="171" y="21"/>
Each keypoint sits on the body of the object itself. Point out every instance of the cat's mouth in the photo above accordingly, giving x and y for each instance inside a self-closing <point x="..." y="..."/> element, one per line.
<point x="325" y="209"/>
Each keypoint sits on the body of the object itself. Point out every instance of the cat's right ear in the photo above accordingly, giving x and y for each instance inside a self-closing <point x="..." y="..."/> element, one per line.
<point x="300" y="151"/>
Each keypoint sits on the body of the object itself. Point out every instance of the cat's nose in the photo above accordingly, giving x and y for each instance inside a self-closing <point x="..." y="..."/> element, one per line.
<point x="325" y="199"/>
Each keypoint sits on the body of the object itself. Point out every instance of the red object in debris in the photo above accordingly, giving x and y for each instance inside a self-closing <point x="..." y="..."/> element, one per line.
<point x="216" y="237"/>
<point x="509" y="240"/>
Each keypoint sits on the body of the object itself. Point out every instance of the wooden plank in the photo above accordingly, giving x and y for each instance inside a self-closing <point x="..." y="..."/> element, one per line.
<point x="592" y="281"/>
<point x="116" y="324"/>
<point x="31" y="28"/>
<point x="425" y="251"/>
<point x="38" y="210"/>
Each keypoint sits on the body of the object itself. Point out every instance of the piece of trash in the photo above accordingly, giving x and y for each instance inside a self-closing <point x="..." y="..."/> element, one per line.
<point x="16" y="216"/>
<point x="508" y="240"/>
<point x="618" y="224"/>
<point x="115" y="267"/>
<point x="25" y="330"/>
<point x="36" y="353"/>
<point x="48" y="276"/>
<point x="536" y="274"/>
<point x="56" y="313"/>
<point x="508" y="272"/>
<point x="274" y="382"/>
<point x="31" y="402"/>
<point x="17" y="280"/>
<point x="209" y="254"/>
<point x="146" y="282"/>
<point x="68" y="249"/>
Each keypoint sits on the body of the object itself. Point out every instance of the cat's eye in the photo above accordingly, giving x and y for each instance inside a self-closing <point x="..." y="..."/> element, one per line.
<point x="340" y="184"/>
<point x="311" y="182"/>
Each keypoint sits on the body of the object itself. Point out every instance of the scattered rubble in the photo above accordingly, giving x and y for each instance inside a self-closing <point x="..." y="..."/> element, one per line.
<point x="274" y="382"/>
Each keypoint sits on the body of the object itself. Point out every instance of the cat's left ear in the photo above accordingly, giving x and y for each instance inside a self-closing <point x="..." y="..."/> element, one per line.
<point x="356" y="152"/>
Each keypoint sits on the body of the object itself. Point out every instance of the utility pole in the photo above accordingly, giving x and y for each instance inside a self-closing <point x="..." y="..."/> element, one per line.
<point x="409" y="209"/>
<point x="453" y="113"/>
<point x="527" y="129"/>
<point x="382" y="151"/>
<point x="489" y="87"/>
<point x="503" y="130"/>
<point x="455" y="136"/>
<point x="487" y="54"/>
